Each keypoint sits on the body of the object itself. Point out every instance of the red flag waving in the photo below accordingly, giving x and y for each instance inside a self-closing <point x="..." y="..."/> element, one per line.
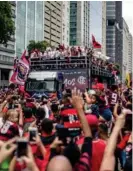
<point x="95" y="43"/>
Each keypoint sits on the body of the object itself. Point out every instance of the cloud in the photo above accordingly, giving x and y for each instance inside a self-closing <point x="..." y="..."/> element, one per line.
<point x="127" y="14"/>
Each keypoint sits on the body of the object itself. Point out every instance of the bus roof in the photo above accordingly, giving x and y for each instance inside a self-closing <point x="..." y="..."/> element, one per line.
<point x="41" y="75"/>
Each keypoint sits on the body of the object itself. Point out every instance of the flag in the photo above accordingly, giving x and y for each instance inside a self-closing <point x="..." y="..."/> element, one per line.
<point x="128" y="79"/>
<point x="21" y="71"/>
<point x="95" y="43"/>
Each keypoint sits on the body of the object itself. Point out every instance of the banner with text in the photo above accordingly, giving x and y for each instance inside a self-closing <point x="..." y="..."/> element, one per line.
<point x="76" y="79"/>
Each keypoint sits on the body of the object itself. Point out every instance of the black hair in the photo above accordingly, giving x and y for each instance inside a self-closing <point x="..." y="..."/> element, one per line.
<point x="129" y="98"/>
<point x="129" y="106"/>
<point x="72" y="152"/>
<point x="114" y="87"/>
<point x="47" y="126"/>
<point x="54" y="108"/>
<point x="103" y="127"/>
<point x="27" y="112"/>
<point x="40" y="113"/>
<point x="14" y="98"/>
<point x="128" y="122"/>
<point x="97" y="98"/>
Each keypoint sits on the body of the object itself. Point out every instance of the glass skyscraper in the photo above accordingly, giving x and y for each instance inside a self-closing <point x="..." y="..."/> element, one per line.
<point x="79" y="23"/>
<point x="29" y="23"/>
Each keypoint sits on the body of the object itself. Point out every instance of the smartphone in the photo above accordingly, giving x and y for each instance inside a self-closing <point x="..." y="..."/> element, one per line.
<point x="32" y="134"/>
<point x="22" y="147"/>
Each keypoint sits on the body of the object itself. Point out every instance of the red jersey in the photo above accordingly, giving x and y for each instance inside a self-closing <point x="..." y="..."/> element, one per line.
<point x="69" y="117"/>
<point x="8" y="130"/>
<point x="123" y="142"/>
<point x="113" y="98"/>
<point x="98" y="147"/>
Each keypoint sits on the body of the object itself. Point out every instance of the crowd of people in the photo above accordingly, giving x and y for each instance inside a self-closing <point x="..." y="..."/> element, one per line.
<point x="80" y="132"/>
<point x="69" y="57"/>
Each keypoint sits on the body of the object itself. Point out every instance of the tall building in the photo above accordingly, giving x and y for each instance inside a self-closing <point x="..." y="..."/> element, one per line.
<point x="104" y="27"/>
<point x="7" y="54"/>
<point x="65" y="22"/>
<point x="114" y="38"/>
<point x="125" y="50"/>
<point x="79" y="23"/>
<point x="29" y="23"/>
<point x="53" y="22"/>
<point x="130" y="53"/>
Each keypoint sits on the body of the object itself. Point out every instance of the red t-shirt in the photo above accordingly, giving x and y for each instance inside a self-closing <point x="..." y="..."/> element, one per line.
<point x="123" y="142"/>
<point x="98" y="147"/>
<point x="8" y="130"/>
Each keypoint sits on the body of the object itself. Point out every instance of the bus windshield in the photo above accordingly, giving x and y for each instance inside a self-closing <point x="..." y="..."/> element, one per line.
<point x="40" y="86"/>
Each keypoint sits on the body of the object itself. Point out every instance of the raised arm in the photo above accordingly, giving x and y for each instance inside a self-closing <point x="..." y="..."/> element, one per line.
<point x="78" y="103"/>
<point x="108" y="163"/>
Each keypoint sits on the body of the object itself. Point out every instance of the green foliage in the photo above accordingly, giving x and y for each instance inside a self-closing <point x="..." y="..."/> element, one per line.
<point x="7" y="26"/>
<point x="40" y="45"/>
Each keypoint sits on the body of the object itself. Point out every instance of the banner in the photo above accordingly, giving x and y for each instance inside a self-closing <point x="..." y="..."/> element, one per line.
<point x="74" y="79"/>
<point x="21" y="71"/>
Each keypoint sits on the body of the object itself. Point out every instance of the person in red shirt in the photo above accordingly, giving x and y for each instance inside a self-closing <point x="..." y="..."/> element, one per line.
<point x="68" y="113"/>
<point x="28" y="118"/>
<point x="55" y="116"/>
<point x="98" y="145"/>
<point x="9" y="127"/>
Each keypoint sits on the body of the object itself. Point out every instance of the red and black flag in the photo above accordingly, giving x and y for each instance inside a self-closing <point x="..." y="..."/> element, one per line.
<point x="95" y="43"/>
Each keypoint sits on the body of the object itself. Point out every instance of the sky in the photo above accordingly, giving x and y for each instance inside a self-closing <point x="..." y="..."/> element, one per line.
<point x="128" y="14"/>
<point x="96" y="20"/>
<point x="96" y="17"/>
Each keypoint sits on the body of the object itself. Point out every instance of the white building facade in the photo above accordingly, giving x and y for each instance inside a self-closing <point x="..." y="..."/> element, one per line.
<point x="29" y="23"/>
<point x="53" y="22"/>
<point x="65" y="22"/>
<point x="125" y="50"/>
<point x="130" y="53"/>
<point x="79" y="23"/>
<point x="104" y="27"/>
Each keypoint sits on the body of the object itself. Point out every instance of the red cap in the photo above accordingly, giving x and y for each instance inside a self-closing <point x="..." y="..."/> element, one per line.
<point x="92" y="120"/>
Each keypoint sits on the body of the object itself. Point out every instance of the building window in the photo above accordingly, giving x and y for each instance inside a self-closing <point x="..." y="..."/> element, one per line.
<point x="111" y="22"/>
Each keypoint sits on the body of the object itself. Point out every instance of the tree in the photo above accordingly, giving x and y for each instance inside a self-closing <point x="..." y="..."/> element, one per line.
<point x="7" y="26"/>
<point x="40" y="45"/>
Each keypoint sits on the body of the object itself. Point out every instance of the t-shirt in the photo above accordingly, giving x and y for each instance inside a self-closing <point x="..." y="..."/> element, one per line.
<point x="98" y="147"/>
<point x="84" y="163"/>
<point x="69" y="117"/>
<point x="113" y="98"/>
<point x="95" y="110"/>
<point x="8" y="130"/>
<point x="123" y="142"/>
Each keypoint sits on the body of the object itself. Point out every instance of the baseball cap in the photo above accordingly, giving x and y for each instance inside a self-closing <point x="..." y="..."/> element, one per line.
<point x="92" y="120"/>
